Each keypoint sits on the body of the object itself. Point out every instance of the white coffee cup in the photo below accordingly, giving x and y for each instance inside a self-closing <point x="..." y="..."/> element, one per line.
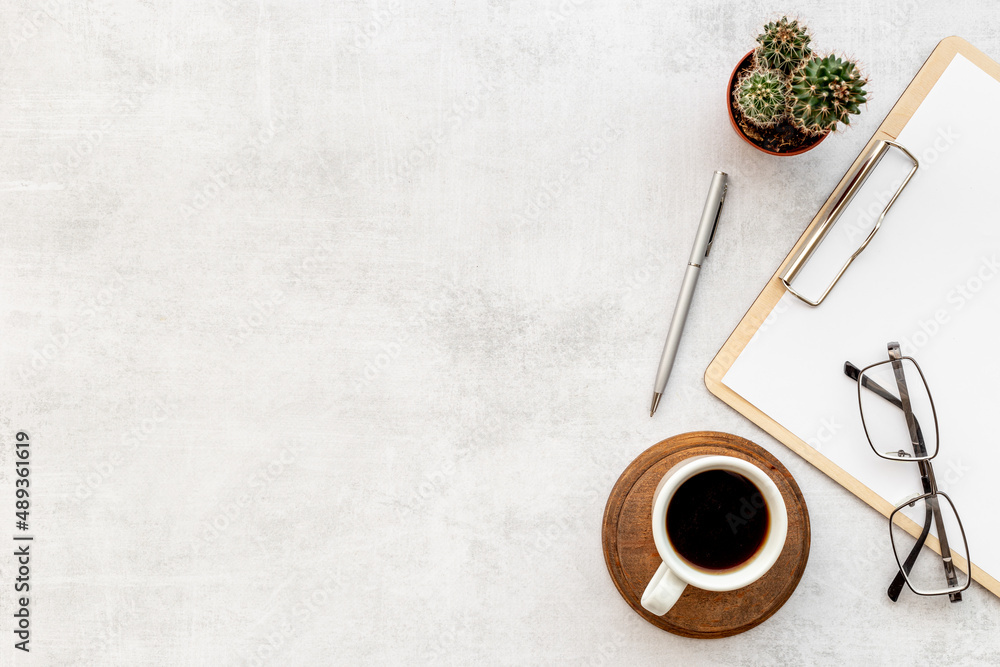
<point x="675" y="573"/>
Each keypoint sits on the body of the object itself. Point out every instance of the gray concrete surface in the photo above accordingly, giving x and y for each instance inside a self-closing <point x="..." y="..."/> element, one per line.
<point x="333" y="324"/>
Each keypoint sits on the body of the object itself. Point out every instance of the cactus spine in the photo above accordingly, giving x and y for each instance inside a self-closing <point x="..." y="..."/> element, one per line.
<point x="761" y="95"/>
<point x="783" y="46"/>
<point x="824" y="92"/>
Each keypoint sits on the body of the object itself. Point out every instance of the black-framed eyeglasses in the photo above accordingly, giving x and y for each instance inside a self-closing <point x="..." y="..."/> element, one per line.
<point x="925" y="530"/>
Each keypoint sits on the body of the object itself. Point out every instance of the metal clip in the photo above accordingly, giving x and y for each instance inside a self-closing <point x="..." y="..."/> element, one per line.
<point x="853" y="183"/>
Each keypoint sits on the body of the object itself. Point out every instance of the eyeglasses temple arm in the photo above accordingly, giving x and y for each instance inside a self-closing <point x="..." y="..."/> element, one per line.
<point x="895" y="359"/>
<point x="853" y="372"/>
<point x="897" y="584"/>
<point x="946" y="558"/>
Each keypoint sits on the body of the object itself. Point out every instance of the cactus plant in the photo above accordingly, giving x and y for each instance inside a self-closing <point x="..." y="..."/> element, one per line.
<point x="824" y="92"/>
<point x="783" y="46"/>
<point x="784" y="99"/>
<point x="761" y="95"/>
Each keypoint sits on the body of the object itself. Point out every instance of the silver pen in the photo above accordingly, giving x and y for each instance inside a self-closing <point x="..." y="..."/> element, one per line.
<point x="702" y="244"/>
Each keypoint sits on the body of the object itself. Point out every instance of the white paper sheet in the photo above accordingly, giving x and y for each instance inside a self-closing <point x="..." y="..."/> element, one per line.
<point x="931" y="280"/>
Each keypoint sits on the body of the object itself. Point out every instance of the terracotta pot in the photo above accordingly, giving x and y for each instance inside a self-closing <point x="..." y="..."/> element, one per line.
<point x="808" y="142"/>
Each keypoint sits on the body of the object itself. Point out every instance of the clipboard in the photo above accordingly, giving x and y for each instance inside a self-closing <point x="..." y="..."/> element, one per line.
<point x="782" y="281"/>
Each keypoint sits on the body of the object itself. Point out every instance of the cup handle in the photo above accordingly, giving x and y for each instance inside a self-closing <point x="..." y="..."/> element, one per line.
<point x="663" y="591"/>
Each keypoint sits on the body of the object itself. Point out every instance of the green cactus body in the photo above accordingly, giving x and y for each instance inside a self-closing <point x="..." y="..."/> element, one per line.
<point x="761" y="95"/>
<point x="824" y="92"/>
<point x="783" y="46"/>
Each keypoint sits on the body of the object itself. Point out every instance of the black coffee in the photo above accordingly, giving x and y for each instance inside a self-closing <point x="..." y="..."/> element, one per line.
<point x="717" y="520"/>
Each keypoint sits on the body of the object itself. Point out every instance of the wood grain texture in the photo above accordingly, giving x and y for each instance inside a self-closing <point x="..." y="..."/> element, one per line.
<point x="890" y="128"/>
<point x="632" y="559"/>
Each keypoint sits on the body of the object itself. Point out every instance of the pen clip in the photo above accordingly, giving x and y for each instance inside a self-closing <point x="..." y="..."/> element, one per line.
<point x="718" y="214"/>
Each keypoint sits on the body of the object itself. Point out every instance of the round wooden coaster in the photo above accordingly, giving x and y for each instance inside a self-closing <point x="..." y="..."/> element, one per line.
<point x="631" y="554"/>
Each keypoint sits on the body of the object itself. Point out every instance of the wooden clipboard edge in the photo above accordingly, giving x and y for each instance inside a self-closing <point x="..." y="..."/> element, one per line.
<point x="894" y="122"/>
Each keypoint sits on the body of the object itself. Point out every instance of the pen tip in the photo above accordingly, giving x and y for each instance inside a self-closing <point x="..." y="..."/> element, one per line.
<point x="656" y="402"/>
